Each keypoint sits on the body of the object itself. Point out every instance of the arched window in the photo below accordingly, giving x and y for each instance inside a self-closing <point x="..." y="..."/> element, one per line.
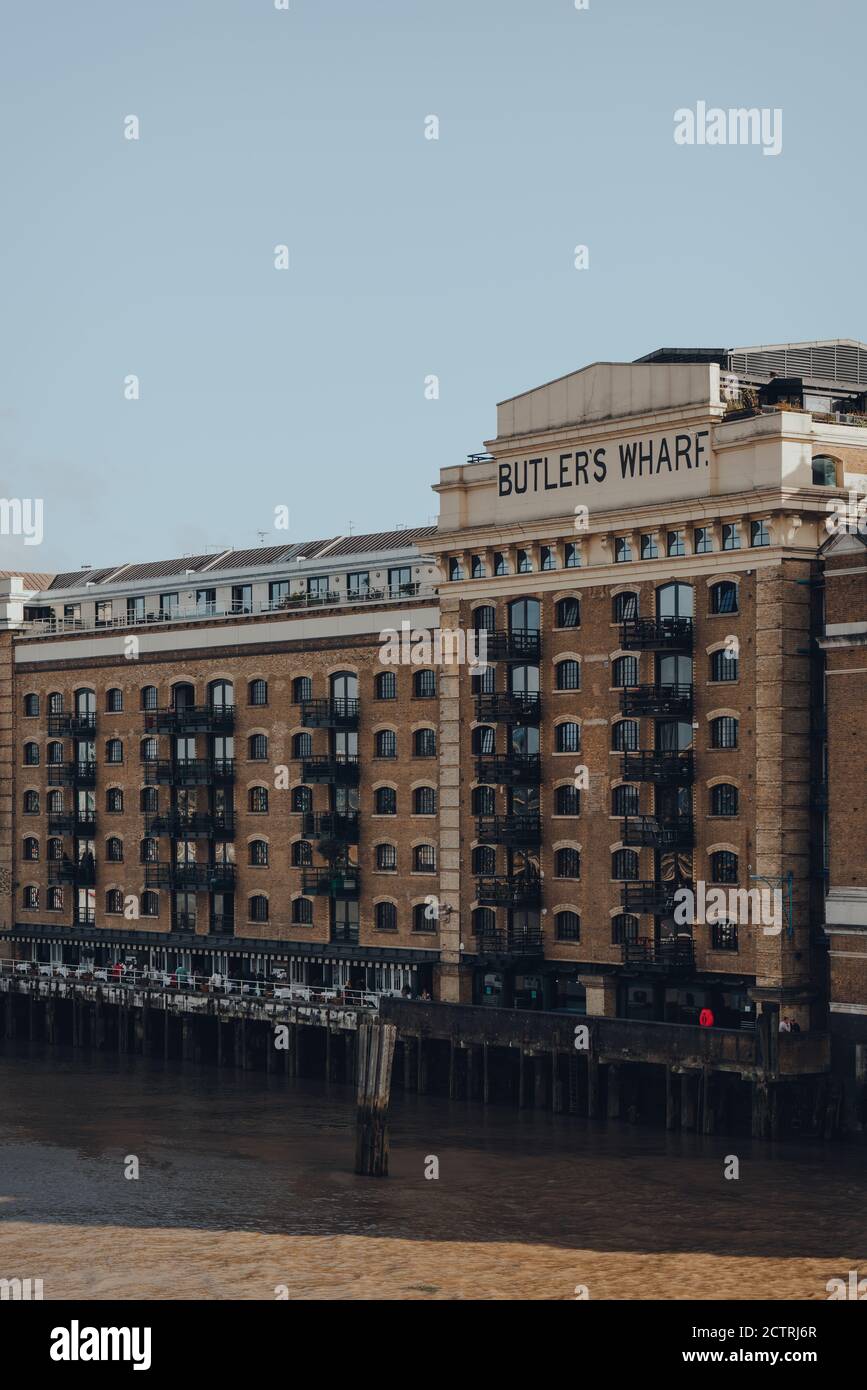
<point x="31" y="706"/>
<point x="567" y="926"/>
<point x="724" y="597"/>
<point x="31" y="803"/>
<point x="114" y="700"/>
<point x="724" y="732"/>
<point x="567" y="737"/>
<point x="624" y="606"/>
<point x="183" y="695"/>
<point x="258" y="853"/>
<point x="221" y="695"/>
<point x="424" y="743"/>
<point x="568" y="613"/>
<point x="724" y="665"/>
<point x="525" y="615"/>
<point x="484" y="801"/>
<point x="31" y="754"/>
<point x="624" y="865"/>
<point x="55" y="900"/>
<point x="624" y="801"/>
<point x="302" y="912"/>
<point x="724" y="867"/>
<point x="85" y="702"/>
<point x="114" y="850"/>
<point x="484" y="740"/>
<point x="302" y="745"/>
<point x="149" y="851"/>
<point x="257" y="692"/>
<point x="485" y="618"/>
<point x="624" y="927"/>
<point x="149" y="800"/>
<point x="385" y="915"/>
<point x="385" y="801"/>
<point x="257" y="800"/>
<point x="724" y="800"/>
<point x="567" y="863"/>
<point x="302" y="854"/>
<point x="484" y="921"/>
<point x="424" y="801"/>
<point x="150" y="904"/>
<point x="420" y="919"/>
<point x="31" y="847"/>
<point x="344" y="685"/>
<point x="624" y="672"/>
<point x="302" y="799"/>
<point x="567" y="801"/>
<point x="386" y="858"/>
<point x="386" y="686"/>
<point x="675" y="601"/>
<point x="149" y="749"/>
<point x="824" y="471"/>
<point x="55" y="702"/>
<point x="149" y="697"/>
<point x="55" y="803"/>
<point x="114" y="751"/>
<point x="114" y="900"/>
<point x="257" y="748"/>
<point x="624" y="735"/>
<point x="385" y="744"/>
<point x="30" y="896"/>
<point x="424" y="685"/>
<point x="302" y="689"/>
<point x="55" y="754"/>
<point x="484" y="861"/>
<point x="258" y="908"/>
<point x="567" y="675"/>
<point x="114" y="800"/>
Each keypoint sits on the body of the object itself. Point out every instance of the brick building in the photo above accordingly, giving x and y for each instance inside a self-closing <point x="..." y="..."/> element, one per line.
<point x="208" y="762"/>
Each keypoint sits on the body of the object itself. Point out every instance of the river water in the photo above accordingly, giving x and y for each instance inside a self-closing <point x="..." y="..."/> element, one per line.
<point x="246" y="1187"/>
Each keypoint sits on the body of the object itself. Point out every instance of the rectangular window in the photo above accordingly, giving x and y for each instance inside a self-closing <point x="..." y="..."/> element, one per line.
<point x="548" y="557"/>
<point x="649" y="547"/>
<point x="676" y="543"/>
<point x="731" y="536"/>
<point x="501" y="564"/>
<point x="169" y="604"/>
<point x="456" y="569"/>
<point x="317" y="586"/>
<point x="573" y="555"/>
<point x="278" y="590"/>
<point x="103" y="612"/>
<point x="525" y="562"/>
<point x="358" y="583"/>
<point x="135" y="610"/>
<point x="72" y="611"/>
<point x="242" y="598"/>
<point x="206" y="600"/>
<point x="622" y="550"/>
<point x="759" y="534"/>
<point x="477" y="566"/>
<point x="400" y="579"/>
<point x="703" y="540"/>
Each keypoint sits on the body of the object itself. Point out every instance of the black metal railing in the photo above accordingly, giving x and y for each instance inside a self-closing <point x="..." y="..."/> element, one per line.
<point x="222" y="924"/>
<point x="652" y="895"/>
<point x="330" y="714"/>
<point x="668" y="953"/>
<point x="512" y="707"/>
<point x="656" y="634"/>
<point x="341" y="768"/>
<point x="82" y="774"/>
<point x="509" y="830"/>
<point x="81" y="871"/>
<point x="642" y="766"/>
<point x="672" y="700"/>
<point x="334" y="883"/>
<point x="517" y="644"/>
<point x="509" y="890"/>
<point x="194" y="877"/>
<point x="331" y="825"/>
<point x="345" y="935"/>
<point x="510" y="769"/>
<point x="192" y="825"/>
<point x="189" y="772"/>
<point x="517" y="942"/>
<point x="72" y="823"/>
<point x="72" y="725"/>
<point x="659" y="833"/>
<point x="84" y="917"/>
<point x="191" y="719"/>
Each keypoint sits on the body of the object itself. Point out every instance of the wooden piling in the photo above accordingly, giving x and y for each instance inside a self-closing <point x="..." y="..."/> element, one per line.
<point x="375" y="1055"/>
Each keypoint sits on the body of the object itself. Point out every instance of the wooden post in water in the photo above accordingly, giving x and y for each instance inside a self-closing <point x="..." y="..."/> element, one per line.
<point x="375" y="1053"/>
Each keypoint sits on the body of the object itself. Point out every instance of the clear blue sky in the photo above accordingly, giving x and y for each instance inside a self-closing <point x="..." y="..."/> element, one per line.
<point x="408" y="256"/>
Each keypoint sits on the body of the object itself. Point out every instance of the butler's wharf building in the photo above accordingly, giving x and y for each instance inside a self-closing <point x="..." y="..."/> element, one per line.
<point x="208" y="762"/>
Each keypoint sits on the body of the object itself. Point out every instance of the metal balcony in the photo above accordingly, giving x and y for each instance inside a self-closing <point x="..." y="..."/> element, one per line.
<point x="651" y="896"/>
<point x="510" y="770"/>
<point x="658" y="767"/>
<point x="333" y="883"/>
<point x="510" y="707"/>
<point x="72" y="725"/>
<point x="670" y="953"/>
<point x="72" y="823"/>
<point x="189" y="772"/>
<point x="79" y="871"/>
<point x="199" y="878"/>
<point x="509" y="830"/>
<point x="678" y="832"/>
<point x="341" y="768"/>
<point x="519" y="644"/>
<point x="509" y="890"/>
<point x="656" y="634"/>
<point x="191" y="719"/>
<point x="194" y="825"/>
<point x="72" y="774"/>
<point x="672" y="701"/>
<point x="84" y="917"/>
<point x="504" y="945"/>
<point x="222" y="924"/>
<point x="330" y="714"/>
<point x="329" y="825"/>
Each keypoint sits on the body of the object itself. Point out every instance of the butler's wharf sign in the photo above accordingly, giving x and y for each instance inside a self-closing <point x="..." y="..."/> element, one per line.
<point x="638" y="465"/>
